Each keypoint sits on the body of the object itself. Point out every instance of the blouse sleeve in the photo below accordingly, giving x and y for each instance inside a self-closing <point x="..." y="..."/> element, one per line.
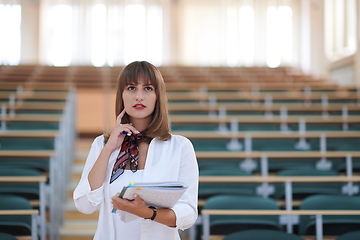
<point x="86" y="201"/>
<point x="186" y="208"/>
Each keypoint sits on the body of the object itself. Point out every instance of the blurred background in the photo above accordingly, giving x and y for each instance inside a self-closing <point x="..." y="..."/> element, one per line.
<point x="248" y="81"/>
<point x="309" y="34"/>
<point x="315" y="36"/>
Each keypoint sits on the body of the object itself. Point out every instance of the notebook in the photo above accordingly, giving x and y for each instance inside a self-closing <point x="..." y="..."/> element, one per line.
<point x="157" y="194"/>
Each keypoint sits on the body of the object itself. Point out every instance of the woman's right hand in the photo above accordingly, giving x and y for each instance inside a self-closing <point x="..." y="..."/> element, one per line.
<point x="117" y="134"/>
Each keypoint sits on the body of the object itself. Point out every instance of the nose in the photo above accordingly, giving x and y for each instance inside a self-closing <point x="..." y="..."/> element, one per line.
<point x="139" y="96"/>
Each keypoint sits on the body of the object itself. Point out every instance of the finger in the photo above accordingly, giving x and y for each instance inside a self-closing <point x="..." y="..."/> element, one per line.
<point x="120" y="116"/>
<point x="128" y="129"/>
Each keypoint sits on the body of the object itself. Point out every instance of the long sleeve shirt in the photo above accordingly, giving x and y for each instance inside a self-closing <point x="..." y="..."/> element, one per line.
<point x="172" y="160"/>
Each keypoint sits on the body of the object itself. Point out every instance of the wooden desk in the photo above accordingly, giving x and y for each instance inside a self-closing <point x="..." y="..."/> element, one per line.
<point x="174" y="107"/>
<point x="250" y="96"/>
<point x="34" y="117"/>
<point x="267" y="134"/>
<point x="28" y="154"/>
<point x="262" y="119"/>
<point x="259" y="179"/>
<point x="38" y="105"/>
<point x="281" y="155"/>
<point x="30" y="133"/>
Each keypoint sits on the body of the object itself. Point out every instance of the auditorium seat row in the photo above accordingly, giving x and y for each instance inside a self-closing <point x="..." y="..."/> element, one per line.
<point x="37" y="137"/>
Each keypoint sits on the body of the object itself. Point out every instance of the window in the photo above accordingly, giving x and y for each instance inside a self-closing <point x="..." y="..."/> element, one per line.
<point x="98" y="35"/>
<point x="10" y="40"/>
<point x="246" y="41"/>
<point x="102" y="34"/>
<point x="60" y="38"/>
<point x="279" y="35"/>
<point x="340" y="28"/>
<point x="134" y="33"/>
<point x="238" y="33"/>
<point x="143" y="33"/>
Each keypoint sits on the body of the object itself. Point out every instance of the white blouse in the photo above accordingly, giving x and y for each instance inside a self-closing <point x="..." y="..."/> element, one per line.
<point x="121" y="227"/>
<point x="172" y="160"/>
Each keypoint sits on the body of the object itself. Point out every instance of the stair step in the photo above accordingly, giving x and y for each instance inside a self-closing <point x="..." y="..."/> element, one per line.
<point x="76" y="172"/>
<point x="78" y="230"/>
<point x="76" y="237"/>
<point x="71" y="213"/>
<point x="84" y="143"/>
<point x="80" y="157"/>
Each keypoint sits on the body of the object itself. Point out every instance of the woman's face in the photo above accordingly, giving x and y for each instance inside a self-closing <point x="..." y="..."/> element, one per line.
<point x="139" y="100"/>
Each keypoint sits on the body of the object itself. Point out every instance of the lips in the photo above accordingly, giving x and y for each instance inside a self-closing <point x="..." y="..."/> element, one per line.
<point x="139" y="106"/>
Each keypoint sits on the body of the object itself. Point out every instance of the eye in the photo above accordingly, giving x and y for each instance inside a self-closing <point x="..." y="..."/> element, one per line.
<point x="131" y="88"/>
<point x="149" y="88"/>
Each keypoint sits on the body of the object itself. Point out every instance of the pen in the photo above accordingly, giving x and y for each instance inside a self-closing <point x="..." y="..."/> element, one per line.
<point x="126" y="133"/>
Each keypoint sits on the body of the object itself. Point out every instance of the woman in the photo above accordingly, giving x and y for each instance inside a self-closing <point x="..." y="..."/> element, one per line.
<point x="140" y="148"/>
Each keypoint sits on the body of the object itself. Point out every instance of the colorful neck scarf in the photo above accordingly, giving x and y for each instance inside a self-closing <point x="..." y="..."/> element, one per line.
<point x="129" y="151"/>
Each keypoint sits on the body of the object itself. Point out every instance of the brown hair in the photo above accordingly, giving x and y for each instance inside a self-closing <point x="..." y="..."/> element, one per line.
<point x="159" y="125"/>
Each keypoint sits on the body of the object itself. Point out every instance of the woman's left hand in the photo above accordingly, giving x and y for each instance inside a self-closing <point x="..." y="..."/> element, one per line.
<point x="136" y="206"/>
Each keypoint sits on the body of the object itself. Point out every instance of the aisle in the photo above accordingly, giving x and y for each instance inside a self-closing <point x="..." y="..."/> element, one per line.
<point x="78" y="226"/>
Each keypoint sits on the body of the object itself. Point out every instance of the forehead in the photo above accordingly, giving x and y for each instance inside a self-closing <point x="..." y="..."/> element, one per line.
<point x="140" y="80"/>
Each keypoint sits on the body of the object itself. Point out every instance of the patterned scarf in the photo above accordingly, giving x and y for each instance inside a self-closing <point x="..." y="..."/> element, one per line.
<point x="129" y="151"/>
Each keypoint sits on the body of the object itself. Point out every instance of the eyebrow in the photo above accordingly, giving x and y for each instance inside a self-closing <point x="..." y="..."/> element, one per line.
<point x="134" y="84"/>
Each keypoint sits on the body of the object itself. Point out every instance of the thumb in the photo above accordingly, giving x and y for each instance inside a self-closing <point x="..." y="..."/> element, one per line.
<point x="137" y="198"/>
